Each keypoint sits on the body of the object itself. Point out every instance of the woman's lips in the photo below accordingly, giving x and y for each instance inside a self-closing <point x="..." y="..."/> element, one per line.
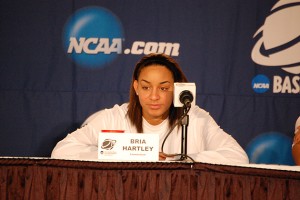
<point x="154" y="106"/>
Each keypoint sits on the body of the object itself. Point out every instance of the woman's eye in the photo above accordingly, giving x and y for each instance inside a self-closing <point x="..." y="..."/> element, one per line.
<point x="145" y="88"/>
<point x="164" y="88"/>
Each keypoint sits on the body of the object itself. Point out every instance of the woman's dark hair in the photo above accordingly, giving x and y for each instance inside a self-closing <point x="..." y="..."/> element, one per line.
<point x="134" y="107"/>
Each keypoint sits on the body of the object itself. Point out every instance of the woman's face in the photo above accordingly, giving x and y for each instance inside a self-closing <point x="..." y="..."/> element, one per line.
<point x="154" y="88"/>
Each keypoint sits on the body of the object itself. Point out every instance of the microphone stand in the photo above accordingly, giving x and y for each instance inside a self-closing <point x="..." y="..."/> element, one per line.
<point x="184" y="126"/>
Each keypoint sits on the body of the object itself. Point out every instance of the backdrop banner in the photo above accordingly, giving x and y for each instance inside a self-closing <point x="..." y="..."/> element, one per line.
<point x="62" y="61"/>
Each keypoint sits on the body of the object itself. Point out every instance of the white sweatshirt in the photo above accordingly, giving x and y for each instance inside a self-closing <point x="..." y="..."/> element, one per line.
<point x="206" y="141"/>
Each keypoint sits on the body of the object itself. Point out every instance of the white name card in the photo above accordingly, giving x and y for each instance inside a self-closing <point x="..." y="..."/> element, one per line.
<point x="128" y="146"/>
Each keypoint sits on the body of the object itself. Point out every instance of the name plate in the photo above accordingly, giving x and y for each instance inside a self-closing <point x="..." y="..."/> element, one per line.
<point x="128" y="146"/>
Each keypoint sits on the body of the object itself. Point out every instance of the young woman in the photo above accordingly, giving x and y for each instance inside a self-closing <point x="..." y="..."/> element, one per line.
<point x="151" y="110"/>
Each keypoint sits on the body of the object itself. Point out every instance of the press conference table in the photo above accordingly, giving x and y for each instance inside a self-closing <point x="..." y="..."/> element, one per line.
<point x="44" y="178"/>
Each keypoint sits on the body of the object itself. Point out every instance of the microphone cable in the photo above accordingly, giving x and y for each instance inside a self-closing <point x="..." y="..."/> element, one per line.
<point x="170" y="131"/>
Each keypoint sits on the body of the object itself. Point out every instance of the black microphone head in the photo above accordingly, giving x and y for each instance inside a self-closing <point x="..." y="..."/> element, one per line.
<point x="186" y="98"/>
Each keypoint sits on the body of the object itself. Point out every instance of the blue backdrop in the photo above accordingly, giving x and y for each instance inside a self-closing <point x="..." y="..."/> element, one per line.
<point x="61" y="61"/>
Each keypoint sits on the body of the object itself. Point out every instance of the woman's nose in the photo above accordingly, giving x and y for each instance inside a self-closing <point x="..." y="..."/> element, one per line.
<point x="154" y="94"/>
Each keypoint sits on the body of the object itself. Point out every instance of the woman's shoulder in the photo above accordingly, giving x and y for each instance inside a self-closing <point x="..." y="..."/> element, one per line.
<point x="196" y="111"/>
<point x="121" y="109"/>
<point x="116" y="110"/>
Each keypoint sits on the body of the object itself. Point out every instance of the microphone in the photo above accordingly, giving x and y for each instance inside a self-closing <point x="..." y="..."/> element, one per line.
<point x="184" y="94"/>
<point x="186" y="97"/>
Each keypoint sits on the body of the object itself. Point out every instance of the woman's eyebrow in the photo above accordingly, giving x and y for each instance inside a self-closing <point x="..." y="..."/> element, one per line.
<point x="163" y="82"/>
<point x="145" y="81"/>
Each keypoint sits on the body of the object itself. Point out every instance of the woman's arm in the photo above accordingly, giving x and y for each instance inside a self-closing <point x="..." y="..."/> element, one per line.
<point x="296" y="147"/>
<point x="81" y="144"/>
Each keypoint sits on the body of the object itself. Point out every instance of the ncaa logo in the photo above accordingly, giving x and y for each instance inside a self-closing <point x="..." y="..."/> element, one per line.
<point x="260" y="83"/>
<point x="93" y="37"/>
<point x="270" y="148"/>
